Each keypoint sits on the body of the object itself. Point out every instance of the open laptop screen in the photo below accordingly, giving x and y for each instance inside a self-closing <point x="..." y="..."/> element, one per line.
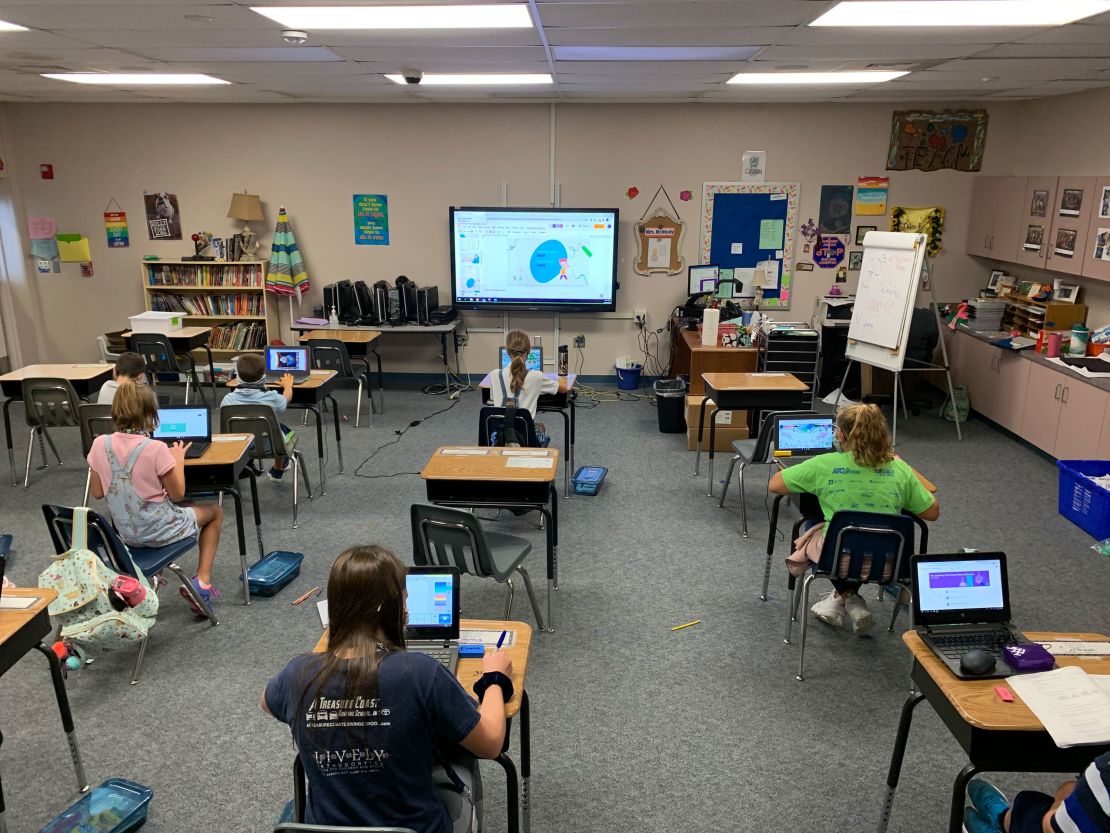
<point x="804" y="434"/>
<point x="433" y="603"/>
<point x="286" y="359"/>
<point x="534" y="359"/>
<point x="960" y="588"/>
<point x="182" y="423"/>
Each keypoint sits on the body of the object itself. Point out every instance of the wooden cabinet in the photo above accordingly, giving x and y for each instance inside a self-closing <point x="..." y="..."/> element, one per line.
<point x="996" y="209"/>
<point x="996" y="379"/>
<point x="1011" y="389"/>
<point x="1103" y="452"/>
<point x="691" y="358"/>
<point x="1042" y="415"/>
<point x="1093" y="267"/>
<point x="1071" y="219"/>
<point x="1063" y="417"/>
<point x="1036" y="220"/>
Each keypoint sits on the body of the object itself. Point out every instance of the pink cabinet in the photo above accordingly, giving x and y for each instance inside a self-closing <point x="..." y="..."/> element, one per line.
<point x="1071" y="218"/>
<point x="1063" y="416"/>
<point x="996" y="379"/>
<point x="1011" y="389"/>
<point x="1035" y="222"/>
<point x="1042" y="407"/>
<point x="1095" y="256"/>
<point x="996" y="209"/>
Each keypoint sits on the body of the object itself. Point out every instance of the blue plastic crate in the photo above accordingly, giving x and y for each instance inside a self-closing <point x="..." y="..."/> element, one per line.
<point x="269" y="575"/>
<point x="1083" y="502"/>
<point x="588" y="479"/>
<point x="116" y="806"/>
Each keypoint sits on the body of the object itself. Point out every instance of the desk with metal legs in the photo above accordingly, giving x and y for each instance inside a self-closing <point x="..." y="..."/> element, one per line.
<point x="360" y="344"/>
<point x="184" y="342"/>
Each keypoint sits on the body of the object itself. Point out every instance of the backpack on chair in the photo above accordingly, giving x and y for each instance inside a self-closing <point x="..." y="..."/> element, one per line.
<point x="507" y="438"/>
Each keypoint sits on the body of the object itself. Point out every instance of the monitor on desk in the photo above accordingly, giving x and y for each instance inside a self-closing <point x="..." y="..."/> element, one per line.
<point x="703" y="278"/>
<point x="534" y="359"/>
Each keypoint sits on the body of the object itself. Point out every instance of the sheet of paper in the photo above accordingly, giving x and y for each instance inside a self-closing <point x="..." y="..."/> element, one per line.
<point x="320" y="372"/>
<point x="1101" y="680"/>
<point x="1077" y="648"/>
<point x="41" y="228"/>
<point x="659" y="252"/>
<point x="770" y="233"/>
<point x="93" y="364"/>
<point x="736" y="249"/>
<point x="17" y="602"/>
<point x="229" y="438"/>
<point x="484" y="637"/>
<point x="770" y="276"/>
<point x="465" y="452"/>
<point x="531" y="463"/>
<point x="523" y="452"/>
<point x="322" y="609"/>
<point x="1074" y="709"/>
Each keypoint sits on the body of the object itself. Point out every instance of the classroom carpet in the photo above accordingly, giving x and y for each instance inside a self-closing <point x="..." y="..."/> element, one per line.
<point x="634" y="726"/>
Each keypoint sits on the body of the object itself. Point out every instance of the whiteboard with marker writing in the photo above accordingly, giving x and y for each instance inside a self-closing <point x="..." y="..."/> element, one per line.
<point x="889" y="280"/>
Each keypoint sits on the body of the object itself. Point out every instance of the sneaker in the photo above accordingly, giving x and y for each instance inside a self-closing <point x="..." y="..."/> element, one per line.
<point x="988" y="801"/>
<point x="860" y="616"/>
<point x="276" y="474"/>
<point x="830" y="610"/>
<point x="974" y="822"/>
<point x="206" y="593"/>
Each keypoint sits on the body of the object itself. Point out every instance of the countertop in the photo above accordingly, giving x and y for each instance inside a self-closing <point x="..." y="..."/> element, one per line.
<point x="1037" y="358"/>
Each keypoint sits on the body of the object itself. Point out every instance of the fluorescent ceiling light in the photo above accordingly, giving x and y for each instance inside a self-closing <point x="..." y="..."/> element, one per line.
<point x="485" y="79"/>
<point x="905" y="13"/>
<point x="654" y="53"/>
<point x="11" y="27"/>
<point x="488" y="16"/>
<point x="842" y="78"/>
<point x="135" y="79"/>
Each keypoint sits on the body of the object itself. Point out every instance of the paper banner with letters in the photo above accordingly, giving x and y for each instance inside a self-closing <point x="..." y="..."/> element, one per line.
<point x="115" y="227"/>
<point x="931" y="141"/>
<point x="41" y="228"/>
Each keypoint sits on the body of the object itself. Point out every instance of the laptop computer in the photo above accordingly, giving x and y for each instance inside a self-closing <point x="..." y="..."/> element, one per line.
<point x="961" y="602"/>
<point x="282" y="360"/>
<point x="804" y="436"/>
<point x="187" y="424"/>
<point x="534" y="359"/>
<point x="433" y="605"/>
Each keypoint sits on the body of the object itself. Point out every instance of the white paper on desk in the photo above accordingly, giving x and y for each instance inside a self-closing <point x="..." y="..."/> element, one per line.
<point x="321" y="372"/>
<point x="17" y="602"/>
<point x="1077" y="648"/>
<point x="531" y="463"/>
<point x="1074" y="709"/>
<point x="523" y="452"/>
<point x="470" y="452"/>
<point x="1102" y="681"/>
<point x="229" y="438"/>
<point x="484" y="637"/>
<point x="322" y="609"/>
<point x="94" y="364"/>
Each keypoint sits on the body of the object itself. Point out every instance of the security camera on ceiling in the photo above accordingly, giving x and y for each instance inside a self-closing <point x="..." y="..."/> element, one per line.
<point x="412" y="76"/>
<point x="294" y="37"/>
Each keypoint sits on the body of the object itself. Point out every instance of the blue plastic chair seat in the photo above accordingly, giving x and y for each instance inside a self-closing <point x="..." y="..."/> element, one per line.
<point x="152" y="560"/>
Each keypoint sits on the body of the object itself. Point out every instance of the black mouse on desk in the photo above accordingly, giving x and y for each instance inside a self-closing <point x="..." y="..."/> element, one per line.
<point x="977" y="662"/>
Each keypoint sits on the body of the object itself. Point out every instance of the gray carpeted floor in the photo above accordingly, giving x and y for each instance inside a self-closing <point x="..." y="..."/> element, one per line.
<point x="634" y="726"/>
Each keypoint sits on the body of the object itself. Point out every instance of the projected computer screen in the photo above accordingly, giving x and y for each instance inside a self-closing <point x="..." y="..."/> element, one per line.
<point x="537" y="259"/>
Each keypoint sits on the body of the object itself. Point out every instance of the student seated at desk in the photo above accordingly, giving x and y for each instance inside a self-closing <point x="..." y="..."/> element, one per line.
<point x="129" y="367"/>
<point x="251" y="390"/>
<point x="864" y="476"/>
<point x="369" y="770"/>
<point x="143" y="481"/>
<point x="518" y="382"/>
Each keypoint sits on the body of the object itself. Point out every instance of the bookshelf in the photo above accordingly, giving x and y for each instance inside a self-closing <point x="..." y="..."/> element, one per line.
<point x="229" y="297"/>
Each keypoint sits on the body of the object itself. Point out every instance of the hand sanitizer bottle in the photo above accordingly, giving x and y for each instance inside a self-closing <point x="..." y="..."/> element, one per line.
<point x="333" y="319"/>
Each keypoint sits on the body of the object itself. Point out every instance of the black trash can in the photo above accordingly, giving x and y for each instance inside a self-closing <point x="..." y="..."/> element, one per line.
<point x="670" y="405"/>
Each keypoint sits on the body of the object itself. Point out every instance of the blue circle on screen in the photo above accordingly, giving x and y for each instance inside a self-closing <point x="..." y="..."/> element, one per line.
<point x="470" y="283"/>
<point x="544" y="263"/>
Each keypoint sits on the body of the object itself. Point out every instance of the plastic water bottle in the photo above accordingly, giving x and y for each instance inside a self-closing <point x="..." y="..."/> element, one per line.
<point x="333" y="319"/>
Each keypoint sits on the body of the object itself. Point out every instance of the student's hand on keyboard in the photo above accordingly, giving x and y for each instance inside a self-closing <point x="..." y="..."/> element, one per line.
<point x="498" y="661"/>
<point x="287" y="382"/>
<point x="177" y="451"/>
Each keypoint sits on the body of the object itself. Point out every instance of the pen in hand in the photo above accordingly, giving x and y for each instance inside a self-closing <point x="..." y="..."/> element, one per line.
<point x="501" y="639"/>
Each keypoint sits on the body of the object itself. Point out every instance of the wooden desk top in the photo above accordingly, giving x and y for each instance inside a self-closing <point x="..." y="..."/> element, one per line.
<point x="72" y="372"/>
<point x="474" y="462"/>
<point x="565" y="382"/>
<point x="693" y="341"/>
<point x="318" y="378"/>
<point x="223" y="452"/>
<point x="976" y="700"/>
<point x="753" y="381"/>
<point x="470" y="668"/>
<point x="184" y="332"/>
<point x="12" y="620"/>
<point x="347" y="336"/>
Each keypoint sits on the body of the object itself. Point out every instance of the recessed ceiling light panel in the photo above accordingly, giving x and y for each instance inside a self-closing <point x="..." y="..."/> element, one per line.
<point x="479" y="16"/>
<point x="925" y="13"/>
<point x="841" y="78"/>
<point x="12" y="27"/>
<point x="654" y="53"/>
<point x="491" y="79"/>
<point x="136" y="79"/>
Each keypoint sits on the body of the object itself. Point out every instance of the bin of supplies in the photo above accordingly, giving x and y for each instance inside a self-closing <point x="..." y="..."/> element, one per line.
<point x="1083" y="501"/>
<point x="628" y="378"/>
<point x="156" y="322"/>
<point x="670" y="405"/>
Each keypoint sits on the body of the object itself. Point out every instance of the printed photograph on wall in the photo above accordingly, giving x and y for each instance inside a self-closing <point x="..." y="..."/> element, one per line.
<point x="861" y="232"/>
<point x="855" y="260"/>
<point x="931" y="141"/>
<point x="1104" y="204"/>
<point x="1034" y="237"/>
<point x="1071" y="202"/>
<point x="835" y="211"/>
<point x="1065" y="242"/>
<point x="163" y="216"/>
<point x="1038" y="207"/>
<point x="1102" y="244"/>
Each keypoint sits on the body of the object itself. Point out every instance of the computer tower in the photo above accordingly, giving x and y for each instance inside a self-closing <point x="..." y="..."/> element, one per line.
<point x="380" y="294"/>
<point x="427" y="299"/>
<point x="345" y="302"/>
<point x="368" y="311"/>
<point x="406" y="299"/>
<point x="331" y="300"/>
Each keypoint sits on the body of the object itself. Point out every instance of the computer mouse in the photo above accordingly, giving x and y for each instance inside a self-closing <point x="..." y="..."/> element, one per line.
<point x="977" y="662"/>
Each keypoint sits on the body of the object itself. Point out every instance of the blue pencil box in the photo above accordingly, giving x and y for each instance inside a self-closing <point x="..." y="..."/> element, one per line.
<point x="268" y="575"/>
<point x="588" y="479"/>
<point x="116" y="806"/>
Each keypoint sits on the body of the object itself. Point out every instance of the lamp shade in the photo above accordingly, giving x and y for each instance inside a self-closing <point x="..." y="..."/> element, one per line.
<point x="245" y="207"/>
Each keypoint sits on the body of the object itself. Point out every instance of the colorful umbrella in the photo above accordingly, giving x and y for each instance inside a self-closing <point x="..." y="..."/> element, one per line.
<point x="287" y="274"/>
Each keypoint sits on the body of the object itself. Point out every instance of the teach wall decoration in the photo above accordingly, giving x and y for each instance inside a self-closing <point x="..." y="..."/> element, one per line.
<point x="931" y="141"/>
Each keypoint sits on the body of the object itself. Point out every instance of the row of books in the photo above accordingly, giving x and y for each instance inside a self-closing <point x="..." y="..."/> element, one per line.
<point x="238" y="337"/>
<point x="214" y="274"/>
<point x="208" y="304"/>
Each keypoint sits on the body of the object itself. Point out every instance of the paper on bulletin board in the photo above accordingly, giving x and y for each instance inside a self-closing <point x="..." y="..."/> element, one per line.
<point x="659" y="252"/>
<point x="770" y="234"/>
<point x="41" y="228"/>
<point x="768" y="272"/>
<point x="736" y="249"/>
<point x="73" y="248"/>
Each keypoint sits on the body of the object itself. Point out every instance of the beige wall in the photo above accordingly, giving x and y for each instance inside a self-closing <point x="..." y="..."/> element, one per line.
<point x="427" y="157"/>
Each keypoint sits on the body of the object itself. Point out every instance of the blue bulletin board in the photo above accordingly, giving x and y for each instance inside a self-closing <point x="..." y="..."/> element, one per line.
<point x="746" y="223"/>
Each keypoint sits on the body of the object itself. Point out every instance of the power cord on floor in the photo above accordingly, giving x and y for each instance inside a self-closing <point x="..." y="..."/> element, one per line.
<point x="400" y="433"/>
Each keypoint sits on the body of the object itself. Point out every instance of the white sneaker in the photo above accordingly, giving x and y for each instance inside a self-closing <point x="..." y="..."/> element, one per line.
<point x="830" y="610"/>
<point x="860" y="616"/>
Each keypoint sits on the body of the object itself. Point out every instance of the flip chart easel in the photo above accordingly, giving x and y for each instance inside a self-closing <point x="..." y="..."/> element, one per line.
<point x="894" y="264"/>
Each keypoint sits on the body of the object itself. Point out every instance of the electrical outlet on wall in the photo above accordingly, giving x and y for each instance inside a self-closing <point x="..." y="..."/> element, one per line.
<point x="640" y="317"/>
<point x="580" y="340"/>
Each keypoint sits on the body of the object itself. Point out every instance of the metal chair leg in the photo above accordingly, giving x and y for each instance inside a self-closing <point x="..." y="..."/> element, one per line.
<point x="42" y="450"/>
<point x="304" y="474"/>
<point x="30" y="451"/>
<point x="358" y="404"/>
<point x="304" y="419"/>
<point x="188" y="384"/>
<point x="805" y="626"/>
<point x="296" y="473"/>
<point x="508" y="597"/>
<point x="531" y="597"/>
<point x="138" y="666"/>
<point x="743" y="500"/>
<point x="728" y="479"/>
<point x="792" y="614"/>
<point x="188" y="585"/>
<point x="50" y="442"/>
<point x="88" y="485"/>
<point x="894" y="615"/>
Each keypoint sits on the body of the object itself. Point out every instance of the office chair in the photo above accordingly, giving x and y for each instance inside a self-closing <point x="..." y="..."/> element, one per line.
<point x="47" y="403"/>
<point x="492" y="421"/>
<point x="95" y="420"/>
<point x="332" y="354"/>
<point x="269" y="441"/>
<point x="105" y="542"/>
<point x="454" y="537"/>
<point x="158" y="352"/>
<point x="296" y="809"/>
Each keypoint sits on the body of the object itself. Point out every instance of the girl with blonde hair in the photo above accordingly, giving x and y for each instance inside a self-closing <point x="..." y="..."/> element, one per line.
<point x="518" y="382"/>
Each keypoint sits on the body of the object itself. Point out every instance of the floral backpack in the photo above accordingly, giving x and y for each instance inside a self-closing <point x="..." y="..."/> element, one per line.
<point x="84" y="608"/>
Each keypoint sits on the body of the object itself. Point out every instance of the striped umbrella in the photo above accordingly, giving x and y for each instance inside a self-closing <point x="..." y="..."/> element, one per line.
<point x="287" y="274"/>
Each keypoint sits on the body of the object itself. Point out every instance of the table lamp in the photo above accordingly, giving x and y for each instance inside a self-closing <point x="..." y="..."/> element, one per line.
<point x="247" y="207"/>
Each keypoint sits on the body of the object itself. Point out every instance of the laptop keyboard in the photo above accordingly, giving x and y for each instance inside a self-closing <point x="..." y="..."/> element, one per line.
<point x="445" y="656"/>
<point x="197" y="449"/>
<point x="954" y="646"/>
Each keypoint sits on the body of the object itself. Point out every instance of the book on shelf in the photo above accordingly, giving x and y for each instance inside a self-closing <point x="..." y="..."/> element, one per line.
<point x="238" y="336"/>
<point x="207" y="274"/>
<point x="208" y="304"/>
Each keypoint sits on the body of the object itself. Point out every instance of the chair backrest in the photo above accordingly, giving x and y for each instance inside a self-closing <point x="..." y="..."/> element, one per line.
<point x="261" y="422"/>
<point x="767" y="433"/>
<point x="50" y="403"/>
<point x="449" y="537"/>
<point x="882" y="543"/>
<point x="492" y="420"/>
<point x="102" y="537"/>
<point x="106" y="354"/>
<point x="331" y="354"/>
<point x="158" y="352"/>
<point x="300" y="793"/>
<point x="95" y="420"/>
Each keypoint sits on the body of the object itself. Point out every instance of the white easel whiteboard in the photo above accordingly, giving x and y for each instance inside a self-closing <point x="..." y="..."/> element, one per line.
<point x="890" y="278"/>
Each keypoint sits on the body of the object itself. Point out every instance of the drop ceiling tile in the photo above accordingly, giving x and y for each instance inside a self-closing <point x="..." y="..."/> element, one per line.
<point x="1048" y="68"/>
<point x="132" y="16"/>
<point x="872" y="53"/>
<point x="867" y="37"/>
<point x="705" y="13"/>
<point x="418" y="56"/>
<point x="1048" y="50"/>
<point x="22" y="41"/>
<point x="692" y="35"/>
<point x="75" y="59"/>
<point x="654" y="53"/>
<point x="409" y="37"/>
<point x="929" y="80"/>
<point x="665" y="68"/>
<point x="184" y="37"/>
<point x="1061" y="87"/>
<point x="1073" y="33"/>
<point x="291" y="54"/>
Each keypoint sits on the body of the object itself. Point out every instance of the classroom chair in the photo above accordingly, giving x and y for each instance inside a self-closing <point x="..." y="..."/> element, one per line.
<point x="95" y="420"/>
<point x="160" y="358"/>
<point x="493" y="421"/>
<point x="105" y="542"/>
<point x="47" y="403"/>
<point x="269" y="441"/>
<point x="292" y="819"/>
<point x="454" y="537"/>
<point x="750" y="452"/>
<point x="871" y="540"/>
<point x="332" y="354"/>
<point x="106" y="354"/>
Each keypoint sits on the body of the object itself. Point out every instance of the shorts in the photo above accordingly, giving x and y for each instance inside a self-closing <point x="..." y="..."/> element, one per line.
<point x="1027" y="811"/>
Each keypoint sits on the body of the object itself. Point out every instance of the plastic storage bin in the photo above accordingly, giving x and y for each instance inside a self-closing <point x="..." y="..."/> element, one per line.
<point x="628" y="378"/>
<point x="270" y="574"/>
<point x="588" y="479"/>
<point x="116" y="806"/>
<point x="1082" y="501"/>
<point x="156" y="322"/>
<point x="670" y="405"/>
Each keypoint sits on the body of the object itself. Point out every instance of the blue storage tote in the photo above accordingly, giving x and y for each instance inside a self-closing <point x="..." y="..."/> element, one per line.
<point x="1082" y="501"/>
<point x="116" y="806"/>
<point x="588" y="479"/>
<point x="269" y="575"/>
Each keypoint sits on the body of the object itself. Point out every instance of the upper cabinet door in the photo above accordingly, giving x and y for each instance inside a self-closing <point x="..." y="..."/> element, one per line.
<point x="1008" y="232"/>
<point x="1038" y="207"/>
<point x="983" y="207"/>
<point x="1096" y="252"/>
<point x="1071" y="217"/>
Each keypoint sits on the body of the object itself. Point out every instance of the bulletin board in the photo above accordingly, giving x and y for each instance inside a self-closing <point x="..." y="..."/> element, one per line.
<point x="744" y="223"/>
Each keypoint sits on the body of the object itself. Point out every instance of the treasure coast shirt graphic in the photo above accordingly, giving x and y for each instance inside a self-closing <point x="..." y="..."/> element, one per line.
<point x="356" y="713"/>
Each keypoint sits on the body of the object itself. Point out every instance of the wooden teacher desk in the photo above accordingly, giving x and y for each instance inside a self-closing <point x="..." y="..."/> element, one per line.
<point x="692" y="359"/>
<point x="997" y="736"/>
<point x="468" y="671"/>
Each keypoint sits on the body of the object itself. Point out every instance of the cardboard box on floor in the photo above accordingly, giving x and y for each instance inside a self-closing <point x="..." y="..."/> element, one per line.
<point x="731" y="425"/>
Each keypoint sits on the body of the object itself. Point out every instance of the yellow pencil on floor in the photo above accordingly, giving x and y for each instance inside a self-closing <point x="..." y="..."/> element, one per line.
<point x="687" y="625"/>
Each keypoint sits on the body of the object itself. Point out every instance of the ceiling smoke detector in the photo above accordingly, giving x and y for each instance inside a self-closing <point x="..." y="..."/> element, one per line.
<point x="294" y="36"/>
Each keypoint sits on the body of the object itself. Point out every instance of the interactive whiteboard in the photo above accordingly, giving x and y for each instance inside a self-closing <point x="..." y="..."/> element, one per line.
<point x="889" y="281"/>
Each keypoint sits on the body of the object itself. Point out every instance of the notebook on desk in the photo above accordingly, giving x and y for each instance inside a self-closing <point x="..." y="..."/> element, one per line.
<point x="190" y="424"/>
<point x="434" y="613"/>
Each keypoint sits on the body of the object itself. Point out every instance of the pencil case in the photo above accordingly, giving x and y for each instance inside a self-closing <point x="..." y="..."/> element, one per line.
<point x="588" y="479"/>
<point x="268" y="575"/>
<point x="116" y="806"/>
<point x="1027" y="657"/>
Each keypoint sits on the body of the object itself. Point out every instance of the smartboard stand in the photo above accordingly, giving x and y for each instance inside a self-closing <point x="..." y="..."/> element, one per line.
<point x="899" y="395"/>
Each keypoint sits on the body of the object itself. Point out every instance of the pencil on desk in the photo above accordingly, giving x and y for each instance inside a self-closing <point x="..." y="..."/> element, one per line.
<point x="305" y="597"/>
<point x="687" y="625"/>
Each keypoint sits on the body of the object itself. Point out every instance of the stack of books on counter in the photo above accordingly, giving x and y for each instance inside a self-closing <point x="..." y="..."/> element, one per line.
<point x="985" y="314"/>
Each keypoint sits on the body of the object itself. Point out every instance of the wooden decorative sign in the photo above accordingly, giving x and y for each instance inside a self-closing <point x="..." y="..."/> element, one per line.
<point x="931" y="141"/>
<point x="659" y="239"/>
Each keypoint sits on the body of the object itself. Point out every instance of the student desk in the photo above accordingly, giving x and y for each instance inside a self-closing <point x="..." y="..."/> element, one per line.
<point x="997" y="736"/>
<point x="359" y="345"/>
<point x="693" y="359"/>
<point x="468" y="671"/>
<point x="561" y="403"/>
<point x="22" y="630"/>
<point x="219" y="470"/>
<point x="86" y="379"/>
<point x="184" y="341"/>
<point x="473" y="476"/>
<point x="308" y="395"/>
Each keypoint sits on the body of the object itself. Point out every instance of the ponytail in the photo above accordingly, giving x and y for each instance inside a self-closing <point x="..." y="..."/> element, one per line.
<point x="865" y="435"/>
<point x="517" y="344"/>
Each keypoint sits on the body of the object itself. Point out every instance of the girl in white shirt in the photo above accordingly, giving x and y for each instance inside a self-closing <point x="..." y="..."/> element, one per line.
<point x="525" y="385"/>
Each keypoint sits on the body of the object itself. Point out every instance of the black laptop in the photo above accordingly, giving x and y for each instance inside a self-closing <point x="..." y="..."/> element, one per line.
<point x="961" y="602"/>
<point x="187" y="424"/>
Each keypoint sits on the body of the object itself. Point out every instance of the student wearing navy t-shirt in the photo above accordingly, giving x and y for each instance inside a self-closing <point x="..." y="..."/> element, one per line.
<point x="373" y="724"/>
